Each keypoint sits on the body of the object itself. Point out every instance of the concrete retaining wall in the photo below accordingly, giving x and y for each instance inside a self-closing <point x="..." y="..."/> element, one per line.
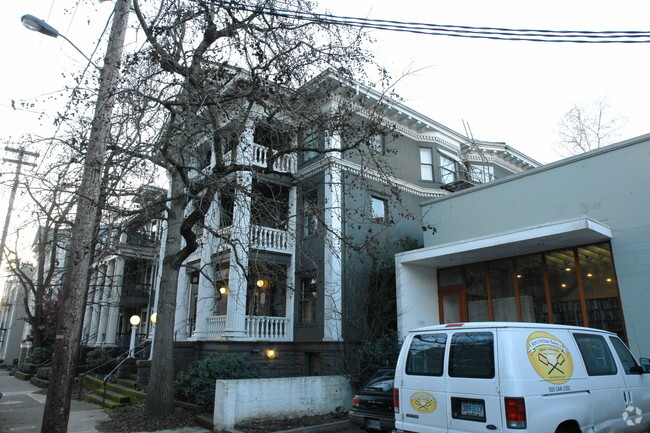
<point x="238" y="400"/>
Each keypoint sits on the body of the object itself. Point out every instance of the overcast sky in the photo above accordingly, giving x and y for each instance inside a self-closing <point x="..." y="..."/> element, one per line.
<point x="514" y="92"/>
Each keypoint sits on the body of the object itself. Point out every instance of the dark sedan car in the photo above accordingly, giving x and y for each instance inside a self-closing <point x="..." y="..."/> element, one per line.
<point x="372" y="407"/>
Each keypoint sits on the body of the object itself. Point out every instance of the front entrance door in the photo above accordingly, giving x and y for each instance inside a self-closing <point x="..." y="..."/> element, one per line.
<point x="452" y="304"/>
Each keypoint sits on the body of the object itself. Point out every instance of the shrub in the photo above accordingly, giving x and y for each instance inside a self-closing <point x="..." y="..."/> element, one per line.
<point x="98" y="357"/>
<point x="371" y="355"/>
<point x="197" y="383"/>
<point x="40" y="355"/>
<point x="28" y="367"/>
<point x="44" y="373"/>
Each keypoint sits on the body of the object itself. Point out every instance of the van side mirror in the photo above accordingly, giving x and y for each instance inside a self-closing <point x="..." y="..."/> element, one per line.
<point x="645" y="364"/>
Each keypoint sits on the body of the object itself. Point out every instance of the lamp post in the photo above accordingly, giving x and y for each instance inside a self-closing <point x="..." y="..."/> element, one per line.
<point x="154" y="318"/>
<point x="135" y="321"/>
<point x="40" y="26"/>
<point x="75" y="281"/>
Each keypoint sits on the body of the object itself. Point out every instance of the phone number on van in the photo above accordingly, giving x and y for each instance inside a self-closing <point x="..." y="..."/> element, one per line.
<point x="559" y="388"/>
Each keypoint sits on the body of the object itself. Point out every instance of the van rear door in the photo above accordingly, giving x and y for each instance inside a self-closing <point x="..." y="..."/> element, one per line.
<point x="422" y="403"/>
<point x="472" y="386"/>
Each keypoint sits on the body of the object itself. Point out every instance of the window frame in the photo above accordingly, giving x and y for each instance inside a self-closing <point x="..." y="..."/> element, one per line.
<point x="445" y="172"/>
<point x="377" y="143"/>
<point x="427" y="165"/>
<point x="451" y="368"/>
<point x="310" y="219"/>
<point x="587" y="358"/>
<point x="308" y="299"/>
<point x="443" y="345"/>
<point x="384" y="202"/>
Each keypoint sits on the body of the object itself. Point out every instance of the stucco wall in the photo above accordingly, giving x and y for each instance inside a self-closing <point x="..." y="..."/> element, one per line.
<point x="610" y="185"/>
<point x="238" y="400"/>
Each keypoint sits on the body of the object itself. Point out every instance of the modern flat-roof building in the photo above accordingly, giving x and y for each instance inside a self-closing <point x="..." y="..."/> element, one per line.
<point x="565" y="243"/>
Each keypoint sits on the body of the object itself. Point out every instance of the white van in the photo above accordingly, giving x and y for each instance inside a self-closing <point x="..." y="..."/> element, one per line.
<point x="519" y="377"/>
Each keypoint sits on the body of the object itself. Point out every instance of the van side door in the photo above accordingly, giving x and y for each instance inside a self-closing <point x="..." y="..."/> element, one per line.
<point x="472" y="388"/>
<point x="422" y="389"/>
<point x="605" y="383"/>
<point x="637" y="387"/>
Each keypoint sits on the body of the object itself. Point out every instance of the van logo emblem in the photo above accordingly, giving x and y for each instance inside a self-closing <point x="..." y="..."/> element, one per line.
<point x="549" y="357"/>
<point x="632" y="416"/>
<point x="423" y="402"/>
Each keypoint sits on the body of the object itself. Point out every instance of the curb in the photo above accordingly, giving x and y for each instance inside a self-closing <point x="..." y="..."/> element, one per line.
<point x="320" y="428"/>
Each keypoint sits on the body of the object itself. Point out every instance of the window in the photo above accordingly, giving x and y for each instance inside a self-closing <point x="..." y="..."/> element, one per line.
<point x="447" y="170"/>
<point x="426" y="163"/>
<point x="471" y="354"/>
<point x="426" y="355"/>
<point x="308" y="294"/>
<point x="379" y="209"/>
<point x="310" y="212"/>
<point x="597" y="356"/>
<point x="624" y="355"/>
<point x="376" y="143"/>
<point x="481" y="173"/>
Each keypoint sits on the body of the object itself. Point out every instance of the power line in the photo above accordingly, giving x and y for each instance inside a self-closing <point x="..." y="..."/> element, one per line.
<point x="494" y="33"/>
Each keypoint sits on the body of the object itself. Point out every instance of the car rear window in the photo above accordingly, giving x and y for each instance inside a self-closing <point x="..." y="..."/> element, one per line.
<point x="471" y="354"/>
<point x="596" y="354"/>
<point x="381" y="381"/>
<point x="426" y="355"/>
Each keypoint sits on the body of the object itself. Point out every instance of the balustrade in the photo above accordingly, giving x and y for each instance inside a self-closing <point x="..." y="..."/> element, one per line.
<point x="261" y="328"/>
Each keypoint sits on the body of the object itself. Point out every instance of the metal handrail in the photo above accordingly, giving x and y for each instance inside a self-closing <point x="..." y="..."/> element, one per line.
<point x="105" y="381"/>
<point x="82" y="375"/>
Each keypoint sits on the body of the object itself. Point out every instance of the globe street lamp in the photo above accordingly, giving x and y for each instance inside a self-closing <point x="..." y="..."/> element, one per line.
<point x="135" y="321"/>
<point x="154" y="318"/>
<point x="40" y="26"/>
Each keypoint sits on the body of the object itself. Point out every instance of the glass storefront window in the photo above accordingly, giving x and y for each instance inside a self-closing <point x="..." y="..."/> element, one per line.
<point x="563" y="287"/>
<point x="476" y="293"/>
<point x="548" y="286"/>
<point x="600" y="288"/>
<point x="504" y="302"/>
<point x="532" y="289"/>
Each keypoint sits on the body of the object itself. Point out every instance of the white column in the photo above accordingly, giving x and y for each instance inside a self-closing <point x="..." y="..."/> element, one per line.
<point x="333" y="218"/>
<point x="94" y="321"/>
<point x="104" y="304"/>
<point x="291" y="270"/>
<point x="240" y="241"/>
<point x="85" y="333"/>
<point x="205" y="299"/>
<point x="114" y="298"/>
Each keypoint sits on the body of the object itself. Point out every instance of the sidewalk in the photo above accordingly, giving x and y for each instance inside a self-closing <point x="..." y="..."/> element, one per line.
<point x="21" y="410"/>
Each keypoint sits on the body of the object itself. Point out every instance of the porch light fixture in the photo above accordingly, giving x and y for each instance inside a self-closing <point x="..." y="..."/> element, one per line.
<point x="563" y="285"/>
<point x="590" y="275"/>
<point x="609" y="280"/>
<point x="135" y="321"/>
<point x="223" y="290"/>
<point x="568" y="269"/>
<point x="262" y="283"/>
<point x="270" y="353"/>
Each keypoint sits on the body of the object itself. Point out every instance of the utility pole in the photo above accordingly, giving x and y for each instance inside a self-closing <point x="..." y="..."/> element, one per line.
<point x="19" y="164"/>
<point x="77" y="269"/>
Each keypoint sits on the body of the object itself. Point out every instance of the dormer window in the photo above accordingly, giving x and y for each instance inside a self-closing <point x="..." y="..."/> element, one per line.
<point x="481" y="173"/>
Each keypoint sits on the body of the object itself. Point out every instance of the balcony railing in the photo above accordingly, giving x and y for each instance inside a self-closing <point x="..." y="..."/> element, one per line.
<point x="259" y="156"/>
<point x="258" y="328"/>
<point x="262" y="238"/>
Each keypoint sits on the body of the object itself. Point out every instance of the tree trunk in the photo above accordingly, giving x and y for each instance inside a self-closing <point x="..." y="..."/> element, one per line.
<point x="75" y="283"/>
<point x="160" y="395"/>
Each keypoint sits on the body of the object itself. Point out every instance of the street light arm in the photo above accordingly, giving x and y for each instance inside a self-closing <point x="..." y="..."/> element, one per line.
<point x="81" y="52"/>
<point x="40" y="26"/>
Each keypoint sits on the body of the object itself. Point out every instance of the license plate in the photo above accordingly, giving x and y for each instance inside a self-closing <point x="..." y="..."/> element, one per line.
<point x="469" y="409"/>
<point x="472" y="409"/>
<point x="373" y="424"/>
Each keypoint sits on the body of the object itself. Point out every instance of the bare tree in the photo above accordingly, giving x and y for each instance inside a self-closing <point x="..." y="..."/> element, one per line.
<point x="587" y="127"/>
